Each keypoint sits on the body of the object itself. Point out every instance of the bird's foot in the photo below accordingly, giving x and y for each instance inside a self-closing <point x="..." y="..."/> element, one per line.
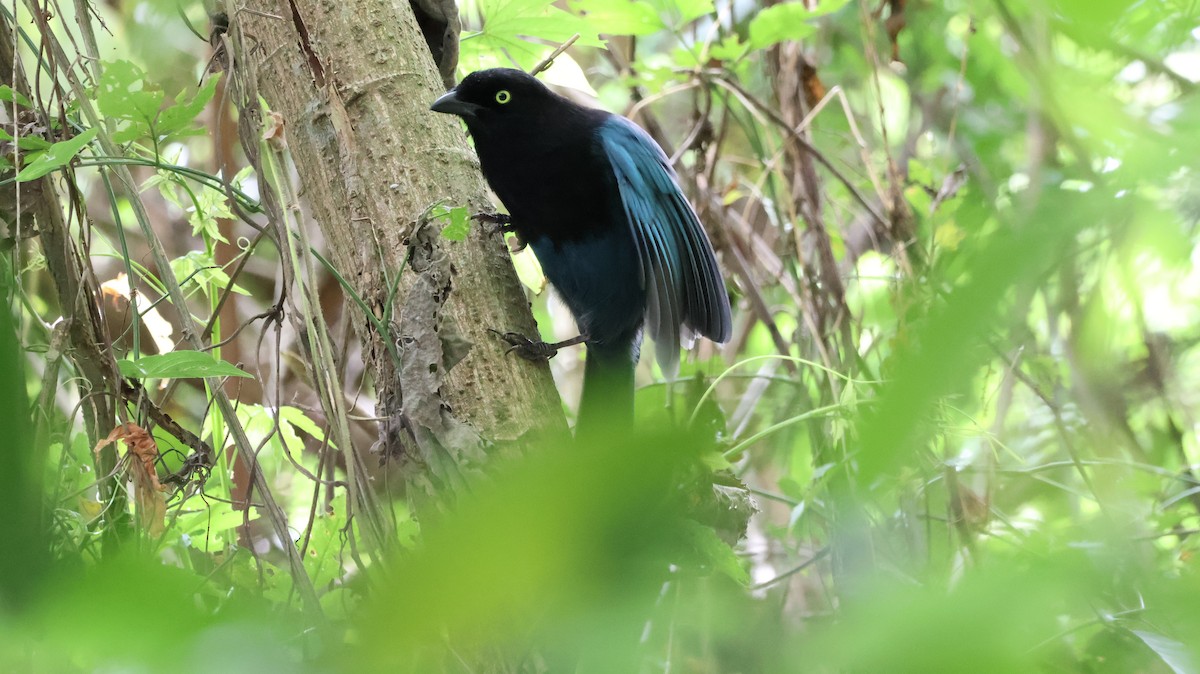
<point x="534" y="350"/>
<point x="531" y="350"/>
<point x="515" y="244"/>
<point x="502" y="219"/>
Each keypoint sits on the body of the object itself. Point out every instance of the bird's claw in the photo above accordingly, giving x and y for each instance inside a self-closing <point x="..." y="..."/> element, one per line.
<point x="502" y="219"/>
<point x="516" y="244"/>
<point x="529" y="349"/>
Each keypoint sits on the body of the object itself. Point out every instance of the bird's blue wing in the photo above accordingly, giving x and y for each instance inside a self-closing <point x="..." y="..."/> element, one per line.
<point x="684" y="290"/>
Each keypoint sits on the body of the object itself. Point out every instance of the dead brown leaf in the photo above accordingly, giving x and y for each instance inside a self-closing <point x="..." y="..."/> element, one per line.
<point x="147" y="490"/>
<point x="273" y="127"/>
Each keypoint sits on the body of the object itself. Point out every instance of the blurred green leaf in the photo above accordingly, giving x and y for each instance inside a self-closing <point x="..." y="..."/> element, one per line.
<point x="8" y="94"/>
<point x="179" y="365"/>
<point x="682" y="12"/>
<point x="619" y="17"/>
<point x="715" y="551"/>
<point x="787" y="21"/>
<point x="992" y="623"/>
<point x="540" y="546"/>
<point x="1175" y="654"/>
<point x="508" y="26"/>
<point x="946" y="348"/>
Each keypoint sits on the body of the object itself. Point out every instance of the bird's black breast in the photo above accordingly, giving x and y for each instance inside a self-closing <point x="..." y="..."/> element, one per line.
<point x="551" y="175"/>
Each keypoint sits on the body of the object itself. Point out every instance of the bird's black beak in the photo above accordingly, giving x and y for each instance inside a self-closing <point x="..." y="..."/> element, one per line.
<point x="451" y="104"/>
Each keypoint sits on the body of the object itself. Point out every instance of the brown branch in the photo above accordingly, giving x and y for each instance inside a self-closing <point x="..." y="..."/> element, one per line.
<point x="549" y="60"/>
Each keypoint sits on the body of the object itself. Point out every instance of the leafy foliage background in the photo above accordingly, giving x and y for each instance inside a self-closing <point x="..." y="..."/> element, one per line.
<point x="961" y="238"/>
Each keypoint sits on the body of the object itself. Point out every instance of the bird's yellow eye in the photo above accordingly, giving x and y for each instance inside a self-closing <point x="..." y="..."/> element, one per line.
<point x="503" y="96"/>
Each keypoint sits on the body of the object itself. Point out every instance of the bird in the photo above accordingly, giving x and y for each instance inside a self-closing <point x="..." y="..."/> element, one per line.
<point x="598" y="202"/>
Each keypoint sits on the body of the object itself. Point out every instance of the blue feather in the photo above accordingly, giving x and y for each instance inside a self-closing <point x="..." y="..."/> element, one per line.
<point x="675" y="261"/>
<point x="598" y="202"/>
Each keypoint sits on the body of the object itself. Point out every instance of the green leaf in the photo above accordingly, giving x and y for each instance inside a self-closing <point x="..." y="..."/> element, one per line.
<point x="180" y="117"/>
<point x="179" y="365"/>
<point x="787" y="22"/>
<point x="218" y="517"/>
<point x="27" y="143"/>
<point x="620" y="17"/>
<point x="459" y="225"/>
<point x="199" y="267"/>
<point x="509" y="25"/>
<point x="299" y="420"/>
<point x="8" y="94"/>
<point x="33" y="143"/>
<point x="124" y="95"/>
<point x="56" y="156"/>
<point x="683" y="12"/>
<point x="729" y="49"/>
<point x="208" y="205"/>
<point x="715" y="551"/>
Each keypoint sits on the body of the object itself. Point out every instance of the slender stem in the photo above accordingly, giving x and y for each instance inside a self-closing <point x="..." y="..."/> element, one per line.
<point x="549" y="60"/>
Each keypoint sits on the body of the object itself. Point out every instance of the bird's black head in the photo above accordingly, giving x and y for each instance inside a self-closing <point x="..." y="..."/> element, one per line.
<point x="489" y="97"/>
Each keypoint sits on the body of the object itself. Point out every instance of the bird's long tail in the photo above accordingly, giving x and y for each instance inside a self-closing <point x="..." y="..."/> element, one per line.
<point x="606" y="406"/>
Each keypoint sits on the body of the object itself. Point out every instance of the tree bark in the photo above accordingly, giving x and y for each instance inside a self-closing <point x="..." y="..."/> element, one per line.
<point x="352" y="82"/>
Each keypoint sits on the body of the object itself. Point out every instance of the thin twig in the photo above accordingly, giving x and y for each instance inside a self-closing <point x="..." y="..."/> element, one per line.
<point x="820" y="554"/>
<point x="752" y="102"/>
<point x="549" y="60"/>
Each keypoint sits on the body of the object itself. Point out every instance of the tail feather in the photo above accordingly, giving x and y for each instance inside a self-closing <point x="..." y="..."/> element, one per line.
<point x="607" y="402"/>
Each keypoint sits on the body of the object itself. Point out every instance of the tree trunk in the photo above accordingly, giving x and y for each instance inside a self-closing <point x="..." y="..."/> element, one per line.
<point x="352" y="82"/>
